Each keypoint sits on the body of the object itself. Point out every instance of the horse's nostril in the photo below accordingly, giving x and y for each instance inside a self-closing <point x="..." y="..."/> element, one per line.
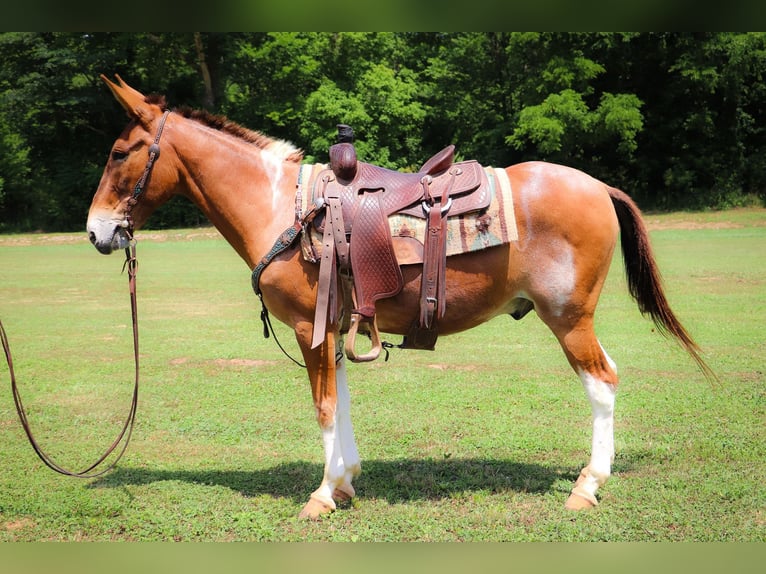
<point x="92" y="237"/>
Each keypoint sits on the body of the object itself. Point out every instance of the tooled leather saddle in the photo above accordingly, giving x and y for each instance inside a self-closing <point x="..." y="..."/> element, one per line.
<point x="356" y="199"/>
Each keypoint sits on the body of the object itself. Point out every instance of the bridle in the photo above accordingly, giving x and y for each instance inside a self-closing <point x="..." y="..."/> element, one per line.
<point x="131" y="265"/>
<point x="138" y="189"/>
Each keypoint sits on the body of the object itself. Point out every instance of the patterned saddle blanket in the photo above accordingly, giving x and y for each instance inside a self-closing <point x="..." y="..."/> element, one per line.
<point x="467" y="232"/>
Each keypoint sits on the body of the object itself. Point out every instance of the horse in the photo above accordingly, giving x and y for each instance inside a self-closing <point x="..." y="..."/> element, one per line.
<point x="245" y="183"/>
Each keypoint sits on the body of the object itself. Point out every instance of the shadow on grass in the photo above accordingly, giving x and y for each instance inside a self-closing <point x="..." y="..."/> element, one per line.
<point x="392" y="480"/>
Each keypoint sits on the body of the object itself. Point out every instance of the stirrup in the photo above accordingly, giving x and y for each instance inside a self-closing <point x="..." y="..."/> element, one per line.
<point x="356" y="320"/>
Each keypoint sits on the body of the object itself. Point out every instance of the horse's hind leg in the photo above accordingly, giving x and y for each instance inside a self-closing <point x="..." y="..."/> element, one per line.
<point x="599" y="377"/>
<point x="601" y="393"/>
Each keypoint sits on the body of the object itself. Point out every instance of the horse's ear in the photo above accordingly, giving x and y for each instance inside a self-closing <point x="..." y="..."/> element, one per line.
<point x="132" y="100"/>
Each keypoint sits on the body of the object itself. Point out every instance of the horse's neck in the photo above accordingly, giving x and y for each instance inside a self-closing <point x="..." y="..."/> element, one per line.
<point x="246" y="192"/>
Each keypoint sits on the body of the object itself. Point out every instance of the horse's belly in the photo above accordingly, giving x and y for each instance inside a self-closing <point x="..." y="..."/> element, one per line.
<point x="480" y="286"/>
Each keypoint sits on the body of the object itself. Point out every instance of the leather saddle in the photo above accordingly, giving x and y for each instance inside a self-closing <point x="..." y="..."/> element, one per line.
<point x="358" y="198"/>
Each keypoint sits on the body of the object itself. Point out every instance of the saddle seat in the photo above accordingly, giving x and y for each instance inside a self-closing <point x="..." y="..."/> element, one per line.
<point x="358" y="198"/>
<point x="344" y="165"/>
<point x="404" y="193"/>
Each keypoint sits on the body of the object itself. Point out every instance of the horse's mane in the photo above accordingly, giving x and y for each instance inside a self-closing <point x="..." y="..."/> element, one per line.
<point x="221" y="123"/>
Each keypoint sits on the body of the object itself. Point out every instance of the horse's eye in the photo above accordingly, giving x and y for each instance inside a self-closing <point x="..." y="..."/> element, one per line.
<point x="119" y="155"/>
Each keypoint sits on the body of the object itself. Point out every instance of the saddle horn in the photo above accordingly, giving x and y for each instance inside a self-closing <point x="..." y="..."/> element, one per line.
<point x="343" y="155"/>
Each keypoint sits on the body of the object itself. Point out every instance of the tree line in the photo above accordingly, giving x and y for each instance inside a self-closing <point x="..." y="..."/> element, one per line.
<point x="674" y="119"/>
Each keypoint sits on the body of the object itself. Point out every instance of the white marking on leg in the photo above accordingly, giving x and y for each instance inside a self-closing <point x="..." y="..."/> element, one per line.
<point x="601" y="396"/>
<point x="349" y="451"/>
<point x="341" y="456"/>
<point x="608" y="358"/>
<point x="333" y="460"/>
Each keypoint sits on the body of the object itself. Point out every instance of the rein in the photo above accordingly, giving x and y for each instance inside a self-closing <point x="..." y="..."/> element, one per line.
<point x="131" y="265"/>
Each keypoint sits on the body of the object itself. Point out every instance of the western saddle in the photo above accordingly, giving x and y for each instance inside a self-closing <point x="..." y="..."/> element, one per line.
<point x="355" y="200"/>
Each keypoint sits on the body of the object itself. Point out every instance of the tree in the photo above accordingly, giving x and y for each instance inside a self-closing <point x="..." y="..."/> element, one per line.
<point x="58" y="120"/>
<point x="307" y="83"/>
<point x="703" y="140"/>
<point x="675" y="119"/>
<point x="565" y="114"/>
<point x="469" y="100"/>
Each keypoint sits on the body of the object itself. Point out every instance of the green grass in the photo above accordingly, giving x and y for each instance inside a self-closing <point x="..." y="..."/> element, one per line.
<point x="478" y="441"/>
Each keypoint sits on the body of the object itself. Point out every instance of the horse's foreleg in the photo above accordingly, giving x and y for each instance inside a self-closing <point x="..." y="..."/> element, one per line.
<point x="345" y="433"/>
<point x="332" y="402"/>
<point x="342" y="463"/>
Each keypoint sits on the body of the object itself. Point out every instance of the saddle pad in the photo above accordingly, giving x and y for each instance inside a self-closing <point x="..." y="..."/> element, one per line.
<point x="465" y="233"/>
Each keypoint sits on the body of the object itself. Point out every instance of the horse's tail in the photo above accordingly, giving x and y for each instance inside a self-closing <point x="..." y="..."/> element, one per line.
<point x="643" y="276"/>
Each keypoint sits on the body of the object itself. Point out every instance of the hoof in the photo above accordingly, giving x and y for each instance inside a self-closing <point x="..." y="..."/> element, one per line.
<point x="314" y="509"/>
<point x="577" y="502"/>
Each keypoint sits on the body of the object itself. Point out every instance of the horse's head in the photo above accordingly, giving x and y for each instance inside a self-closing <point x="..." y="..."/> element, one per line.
<point x="116" y="205"/>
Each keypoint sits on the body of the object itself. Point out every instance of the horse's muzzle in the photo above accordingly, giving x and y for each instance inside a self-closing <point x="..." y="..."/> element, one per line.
<point x="107" y="235"/>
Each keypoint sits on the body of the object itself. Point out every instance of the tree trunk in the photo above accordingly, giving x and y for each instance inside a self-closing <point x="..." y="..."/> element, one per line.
<point x="209" y="99"/>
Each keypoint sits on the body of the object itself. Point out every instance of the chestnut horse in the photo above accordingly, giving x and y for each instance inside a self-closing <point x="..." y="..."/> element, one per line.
<point x="245" y="183"/>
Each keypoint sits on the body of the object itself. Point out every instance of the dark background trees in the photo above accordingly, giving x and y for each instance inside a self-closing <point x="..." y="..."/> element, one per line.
<point x="674" y="119"/>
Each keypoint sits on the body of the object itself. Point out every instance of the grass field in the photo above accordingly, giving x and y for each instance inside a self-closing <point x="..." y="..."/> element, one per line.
<point x="478" y="441"/>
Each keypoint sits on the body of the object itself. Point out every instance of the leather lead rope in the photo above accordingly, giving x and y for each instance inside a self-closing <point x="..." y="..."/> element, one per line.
<point x="127" y="428"/>
<point x="131" y="265"/>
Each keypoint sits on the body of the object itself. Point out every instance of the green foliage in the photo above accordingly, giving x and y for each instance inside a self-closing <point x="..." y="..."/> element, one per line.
<point x="383" y="110"/>
<point x="470" y="97"/>
<point x="328" y="106"/>
<point x="618" y="118"/>
<point x="14" y="167"/>
<point x="559" y="120"/>
<point x="675" y="119"/>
